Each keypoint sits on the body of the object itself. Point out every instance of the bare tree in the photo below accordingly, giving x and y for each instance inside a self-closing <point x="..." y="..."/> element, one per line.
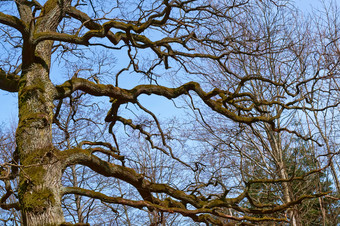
<point x="284" y="161"/>
<point x="264" y="78"/>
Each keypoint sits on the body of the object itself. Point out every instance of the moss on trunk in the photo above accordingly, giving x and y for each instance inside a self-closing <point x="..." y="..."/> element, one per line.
<point x="40" y="174"/>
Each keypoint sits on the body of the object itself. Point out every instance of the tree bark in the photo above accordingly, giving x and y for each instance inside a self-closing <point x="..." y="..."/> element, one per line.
<point x="41" y="171"/>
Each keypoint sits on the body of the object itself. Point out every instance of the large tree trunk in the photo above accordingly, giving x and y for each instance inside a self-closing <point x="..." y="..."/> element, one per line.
<point x="40" y="176"/>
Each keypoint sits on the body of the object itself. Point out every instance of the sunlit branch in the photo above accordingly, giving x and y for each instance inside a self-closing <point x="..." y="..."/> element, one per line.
<point x="125" y="95"/>
<point x="144" y="186"/>
<point x="198" y="215"/>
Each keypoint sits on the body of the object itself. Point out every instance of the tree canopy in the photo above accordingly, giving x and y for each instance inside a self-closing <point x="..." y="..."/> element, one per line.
<point x="170" y="113"/>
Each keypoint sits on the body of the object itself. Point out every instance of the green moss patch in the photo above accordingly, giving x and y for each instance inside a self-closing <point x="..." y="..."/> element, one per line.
<point x="38" y="201"/>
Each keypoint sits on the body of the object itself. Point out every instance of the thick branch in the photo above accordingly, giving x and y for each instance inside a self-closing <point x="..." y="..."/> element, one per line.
<point x="92" y="25"/>
<point x="9" y="206"/>
<point x="197" y="215"/>
<point x="12" y="21"/>
<point x="125" y="95"/>
<point x="9" y="82"/>
<point x="145" y="187"/>
<point x="25" y="10"/>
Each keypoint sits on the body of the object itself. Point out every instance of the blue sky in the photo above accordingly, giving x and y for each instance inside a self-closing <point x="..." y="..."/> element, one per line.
<point x="9" y="106"/>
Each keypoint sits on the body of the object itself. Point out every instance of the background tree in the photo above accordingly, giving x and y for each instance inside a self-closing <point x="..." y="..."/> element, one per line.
<point x="264" y="152"/>
<point x="65" y="146"/>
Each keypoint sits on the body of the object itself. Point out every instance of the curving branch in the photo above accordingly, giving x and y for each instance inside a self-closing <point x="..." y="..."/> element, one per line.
<point x="203" y="206"/>
<point x="113" y="152"/>
<point x="14" y="22"/>
<point x="90" y="24"/>
<point x="151" y="21"/>
<point x="136" y="40"/>
<point x="125" y="96"/>
<point x="198" y="215"/>
<point x="144" y="186"/>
